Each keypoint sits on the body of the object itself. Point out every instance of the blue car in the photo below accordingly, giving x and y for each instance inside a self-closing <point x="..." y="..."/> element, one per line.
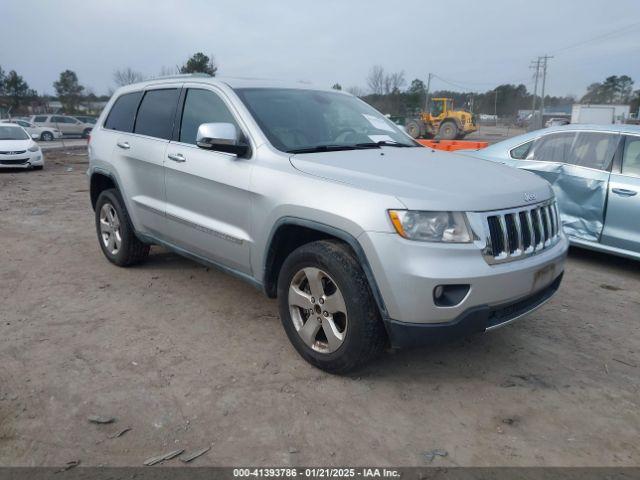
<point x="595" y="173"/>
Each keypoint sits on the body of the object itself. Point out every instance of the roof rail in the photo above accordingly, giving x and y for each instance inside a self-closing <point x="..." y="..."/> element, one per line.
<point x="181" y="75"/>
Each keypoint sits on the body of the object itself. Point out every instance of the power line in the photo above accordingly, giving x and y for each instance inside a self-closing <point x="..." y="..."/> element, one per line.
<point x="461" y="85"/>
<point x="612" y="33"/>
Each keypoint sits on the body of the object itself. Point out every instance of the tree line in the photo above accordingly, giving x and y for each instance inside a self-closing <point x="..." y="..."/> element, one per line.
<point x="16" y="94"/>
<point x="386" y="91"/>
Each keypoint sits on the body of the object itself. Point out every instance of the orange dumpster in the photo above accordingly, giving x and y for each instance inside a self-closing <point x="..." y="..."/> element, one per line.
<point x="451" y="145"/>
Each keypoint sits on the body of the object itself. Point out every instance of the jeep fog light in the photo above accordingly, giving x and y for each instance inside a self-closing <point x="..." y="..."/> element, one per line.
<point x="450" y="295"/>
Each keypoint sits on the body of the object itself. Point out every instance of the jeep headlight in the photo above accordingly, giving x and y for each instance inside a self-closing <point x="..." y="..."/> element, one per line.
<point x="431" y="226"/>
<point x="34" y="148"/>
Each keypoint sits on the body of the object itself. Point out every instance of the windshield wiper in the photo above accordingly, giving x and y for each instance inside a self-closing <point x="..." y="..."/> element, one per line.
<point x="382" y="143"/>
<point x="323" y="148"/>
<point x="357" y="146"/>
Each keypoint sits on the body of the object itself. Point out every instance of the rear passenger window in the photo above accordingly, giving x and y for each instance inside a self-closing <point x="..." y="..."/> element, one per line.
<point x="156" y="113"/>
<point x="202" y="106"/>
<point x="40" y="119"/>
<point x="593" y="150"/>
<point x="631" y="157"/>
<point x="123" y="112"/>
<point x="554" y="147"/>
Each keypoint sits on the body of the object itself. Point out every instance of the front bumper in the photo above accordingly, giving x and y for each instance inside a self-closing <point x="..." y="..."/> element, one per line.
<point x="407" y="272"/>
<point x="23" y="160"/>
<point x="475" y="320"/>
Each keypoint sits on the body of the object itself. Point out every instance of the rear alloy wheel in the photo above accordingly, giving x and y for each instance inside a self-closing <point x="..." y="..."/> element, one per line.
<point x="110" y="229"/>
<point x="116" y="235"/>
<point x="448" y="131"/>
<point x="46" y="137"/>
<point x="327" y="309"/>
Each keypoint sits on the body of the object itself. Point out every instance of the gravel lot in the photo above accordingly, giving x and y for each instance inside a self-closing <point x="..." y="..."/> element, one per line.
<point x="187" y="357"/>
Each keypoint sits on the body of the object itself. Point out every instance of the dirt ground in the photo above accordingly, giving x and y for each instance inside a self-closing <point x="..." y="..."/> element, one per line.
<point x="187" y="357"/>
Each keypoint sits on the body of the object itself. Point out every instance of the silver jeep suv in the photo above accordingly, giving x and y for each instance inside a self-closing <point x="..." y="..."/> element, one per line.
<point x="366" y="238"/>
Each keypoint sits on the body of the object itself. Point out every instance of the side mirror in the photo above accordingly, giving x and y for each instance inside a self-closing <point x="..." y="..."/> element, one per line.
<point x="35" y="136"/>
<point x="221" y="137"/>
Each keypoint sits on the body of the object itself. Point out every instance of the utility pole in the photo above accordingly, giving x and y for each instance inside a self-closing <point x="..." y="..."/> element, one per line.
<point x="544" y="81"/>
<point x="426" y="96"/>
<point x="495" y="106"/>
<point x="535" y="64"/>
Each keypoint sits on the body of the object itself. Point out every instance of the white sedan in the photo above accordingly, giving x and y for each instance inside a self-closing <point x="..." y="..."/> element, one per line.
<point x="17" y="148"/>
<point x="45" y="134"/>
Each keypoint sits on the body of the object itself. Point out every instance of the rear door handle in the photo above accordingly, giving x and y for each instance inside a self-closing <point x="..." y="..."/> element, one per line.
<point x="624" y="192"/>
<point x="177" y="157"/>
<point x="124" y="145"/>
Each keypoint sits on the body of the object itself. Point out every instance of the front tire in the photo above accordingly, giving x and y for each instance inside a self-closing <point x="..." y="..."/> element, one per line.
<point x="414" y="129"/>
<point x="327" y="309"/>
<point x="86" y="133"/>
<point x="116" y="235"/>
<point x="448" y="131"/>
<point x="46" y="136"/>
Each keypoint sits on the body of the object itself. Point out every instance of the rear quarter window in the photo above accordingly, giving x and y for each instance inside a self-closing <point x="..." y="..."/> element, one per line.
<point x="123" y="113"/>
<point x="521" y="151"/>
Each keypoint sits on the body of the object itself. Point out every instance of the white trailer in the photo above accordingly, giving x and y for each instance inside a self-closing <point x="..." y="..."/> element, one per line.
<point x="599" y="114"/>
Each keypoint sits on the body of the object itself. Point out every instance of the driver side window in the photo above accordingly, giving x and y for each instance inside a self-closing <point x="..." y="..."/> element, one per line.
<point x="202" y="106"/>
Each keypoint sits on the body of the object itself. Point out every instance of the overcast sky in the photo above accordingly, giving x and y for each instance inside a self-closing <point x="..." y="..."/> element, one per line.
<point x="474" y="44"/>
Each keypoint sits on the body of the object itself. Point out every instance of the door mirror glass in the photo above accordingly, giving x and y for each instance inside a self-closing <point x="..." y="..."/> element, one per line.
<point x="222" y="137"/>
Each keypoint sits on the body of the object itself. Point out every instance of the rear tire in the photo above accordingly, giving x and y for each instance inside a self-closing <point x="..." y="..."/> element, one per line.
<point x="323" y="283"/>
<point x="448" y="131"/>
<point x="46" y="136"/>
<point x="116" y="235"/>
<point x="86" y="133"/>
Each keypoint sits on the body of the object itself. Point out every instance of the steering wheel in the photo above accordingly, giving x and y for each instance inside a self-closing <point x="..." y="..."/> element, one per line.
<point x="297" y="135"/>
<point x="343" y="133"/>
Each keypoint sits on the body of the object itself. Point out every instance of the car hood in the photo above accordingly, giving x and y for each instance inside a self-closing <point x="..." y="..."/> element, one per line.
<point x="14" y="145"/>
<point x="425" y="179"/>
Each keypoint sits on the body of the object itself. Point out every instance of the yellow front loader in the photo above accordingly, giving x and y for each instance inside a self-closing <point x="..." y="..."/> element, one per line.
<point x="441" y="121"/>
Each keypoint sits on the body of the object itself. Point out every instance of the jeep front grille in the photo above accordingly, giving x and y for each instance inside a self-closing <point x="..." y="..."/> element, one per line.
<point x="520" y="232"/>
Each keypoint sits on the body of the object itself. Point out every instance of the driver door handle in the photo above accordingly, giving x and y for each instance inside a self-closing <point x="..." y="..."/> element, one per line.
<point x="124" y="145"/>
<point x="624" y="192"/>
<point x="177" y="157"/>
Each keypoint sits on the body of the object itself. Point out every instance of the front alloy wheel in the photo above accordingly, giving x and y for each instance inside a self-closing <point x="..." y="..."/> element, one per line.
<point x="327" y="309"/>
<point x="318" y="310"/>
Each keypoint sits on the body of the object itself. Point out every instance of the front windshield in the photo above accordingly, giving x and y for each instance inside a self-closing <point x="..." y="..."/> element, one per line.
<point x="12" y="133"/>
<point x="296" y="120"/>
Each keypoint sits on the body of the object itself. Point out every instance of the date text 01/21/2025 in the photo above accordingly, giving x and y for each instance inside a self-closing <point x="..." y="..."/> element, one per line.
<point x="316" y="472"/>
